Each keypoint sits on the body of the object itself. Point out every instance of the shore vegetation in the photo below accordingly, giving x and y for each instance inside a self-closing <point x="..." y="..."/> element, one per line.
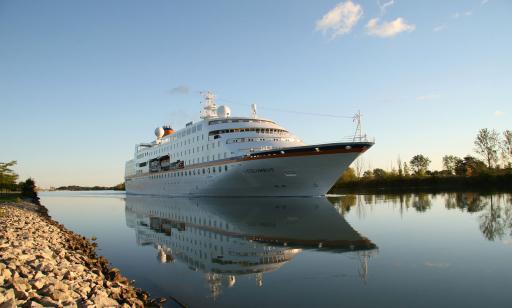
<point x="490" y="169"/>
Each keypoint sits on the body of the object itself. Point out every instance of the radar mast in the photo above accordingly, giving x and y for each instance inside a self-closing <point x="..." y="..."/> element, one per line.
<point x="209" y="107"/>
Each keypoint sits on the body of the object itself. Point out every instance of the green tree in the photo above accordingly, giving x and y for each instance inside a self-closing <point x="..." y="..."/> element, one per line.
<point x="470" y="166"/>
<point x="419" y="164"/>
<point x="450" y="162"/>
<point x="487" y="145"/>
<point x="367" y="174"/>
<point x="7" y="176"/>
<point x="348" y="176"/>
<point x="379" y="173"/>
<point x="506" y="148"/>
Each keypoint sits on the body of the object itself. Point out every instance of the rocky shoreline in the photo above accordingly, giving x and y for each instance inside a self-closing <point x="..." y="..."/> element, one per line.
<point x="44" y="264"/>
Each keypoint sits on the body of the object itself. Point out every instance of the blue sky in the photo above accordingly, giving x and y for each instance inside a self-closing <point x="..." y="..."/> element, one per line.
<point x="82" y="81"/>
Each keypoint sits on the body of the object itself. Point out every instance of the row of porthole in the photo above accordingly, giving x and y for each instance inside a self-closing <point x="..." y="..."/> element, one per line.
<point x="208" y="170"/>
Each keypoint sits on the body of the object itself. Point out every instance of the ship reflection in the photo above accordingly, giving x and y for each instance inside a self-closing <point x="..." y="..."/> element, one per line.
<point x="229" y="237"/>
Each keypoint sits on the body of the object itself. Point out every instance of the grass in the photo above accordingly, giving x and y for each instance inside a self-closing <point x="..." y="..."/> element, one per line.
<point x="10" y="197"/>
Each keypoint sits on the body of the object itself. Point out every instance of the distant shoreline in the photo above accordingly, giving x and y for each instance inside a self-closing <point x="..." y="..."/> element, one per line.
<point x="119" y="187"/>
<point x="428" y="184"/>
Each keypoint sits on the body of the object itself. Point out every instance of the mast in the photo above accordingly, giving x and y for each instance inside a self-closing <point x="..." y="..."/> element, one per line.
<point x="209" y="107"/>
<point x="358" y="135"/>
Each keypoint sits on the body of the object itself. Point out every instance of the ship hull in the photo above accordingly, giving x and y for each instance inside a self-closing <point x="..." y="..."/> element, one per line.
<point x="301" y="171"/>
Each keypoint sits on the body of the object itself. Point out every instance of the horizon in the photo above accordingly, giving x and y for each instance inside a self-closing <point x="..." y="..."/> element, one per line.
<point x="84" y="82"/>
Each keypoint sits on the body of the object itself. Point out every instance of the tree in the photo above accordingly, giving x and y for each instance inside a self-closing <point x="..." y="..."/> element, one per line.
<point x="29" y="190"/>
<point x="450" y="162"/>
<point x="419" y="164"/>
<point x="506" y="148"/>
<point x="470" y="166"/>
<point x="368" y="174"/>
<point x="487" y="145"/>
<point x="348" y="176"/>
<point x="358" y="166"/>
<point x="399" y="163"/>
<point x="7" y="176"/>
<point x="407" y="172"/>
<point x="379" y="173"/>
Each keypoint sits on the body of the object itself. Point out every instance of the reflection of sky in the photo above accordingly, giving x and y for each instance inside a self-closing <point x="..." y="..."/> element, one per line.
<point x="438" y="257"/>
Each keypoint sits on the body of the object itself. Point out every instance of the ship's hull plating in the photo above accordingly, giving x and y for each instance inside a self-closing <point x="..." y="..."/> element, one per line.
<point x="308" y="171"/>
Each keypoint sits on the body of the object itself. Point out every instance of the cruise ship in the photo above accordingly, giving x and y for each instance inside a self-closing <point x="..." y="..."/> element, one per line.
<point x="224" y="155"/>
<point x="232" y="238"/>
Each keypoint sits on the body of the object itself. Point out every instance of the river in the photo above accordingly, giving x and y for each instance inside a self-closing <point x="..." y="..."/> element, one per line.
<point x="408" y="250"/>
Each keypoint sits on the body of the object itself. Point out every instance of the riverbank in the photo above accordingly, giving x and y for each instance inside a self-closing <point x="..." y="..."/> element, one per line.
<point x="413" y="184"/>
<point x="44" y="264"/>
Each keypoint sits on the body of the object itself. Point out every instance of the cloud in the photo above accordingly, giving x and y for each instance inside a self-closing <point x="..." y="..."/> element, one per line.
<point x="484" y="2"/>
<point x="341" y="19"/>
<point x="182" y="89"/>
<point x="456" y="15"/>
<point x="499" y="113"/>
<point x="384" y="5"/>
<point x="388" y="29"/>
<point x="427" y="97"/>
<point x="439" y="28"/>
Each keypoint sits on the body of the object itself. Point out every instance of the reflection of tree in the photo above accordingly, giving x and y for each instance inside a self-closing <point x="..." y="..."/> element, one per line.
<point x="369" y="199"/>
<point x="492" y="223"/>
<point x="422" y="202"/>
<point x="344" y="203"/>
<point x="470" y="201"/>
<point x="450" y="201"/>
<point x="508" y="215"/>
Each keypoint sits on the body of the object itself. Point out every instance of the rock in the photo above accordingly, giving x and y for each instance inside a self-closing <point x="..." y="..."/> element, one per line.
<point x="6" y="295"/>
<point x="32" y="304"/>
<point x="20" y="284"/>
<point x="103" y="300"/>
<point x="69" y="275"/>
<point x="48" y="302"/>
<point x="38" y="284"/>
<point x="38" y="275"/>
<point x="11" y="303"/>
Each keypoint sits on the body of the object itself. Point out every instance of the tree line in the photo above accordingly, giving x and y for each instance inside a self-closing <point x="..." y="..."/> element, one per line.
<point x="493" y="162"/>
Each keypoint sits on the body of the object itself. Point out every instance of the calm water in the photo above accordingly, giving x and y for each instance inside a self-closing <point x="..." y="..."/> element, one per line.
<point x="410" y="250"/>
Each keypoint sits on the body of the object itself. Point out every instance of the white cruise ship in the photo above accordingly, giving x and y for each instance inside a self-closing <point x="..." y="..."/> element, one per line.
<point x="223" y="155"/>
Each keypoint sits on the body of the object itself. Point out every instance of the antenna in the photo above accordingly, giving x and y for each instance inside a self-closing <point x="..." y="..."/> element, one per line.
<point x="358" y="135"/>
<point x="254" y="111"/>
<point x="209" y="106"/>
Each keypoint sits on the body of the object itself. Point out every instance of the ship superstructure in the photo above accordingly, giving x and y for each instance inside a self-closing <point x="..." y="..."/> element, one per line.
<point x="236" y="156"/>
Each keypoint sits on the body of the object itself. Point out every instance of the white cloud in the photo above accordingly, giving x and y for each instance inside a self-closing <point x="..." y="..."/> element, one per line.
<point x="439" y="28"/>
<point x="388" y="29"/>
<point x="427" y="97"/>
<point x="499" y="113"/>
<point x="456" y="15"/>
<point x="341" y="19"/>
<point x="384" y="5"/>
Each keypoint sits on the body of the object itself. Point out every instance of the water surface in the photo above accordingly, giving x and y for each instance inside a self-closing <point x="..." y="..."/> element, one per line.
<point x="410" y="250"/>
